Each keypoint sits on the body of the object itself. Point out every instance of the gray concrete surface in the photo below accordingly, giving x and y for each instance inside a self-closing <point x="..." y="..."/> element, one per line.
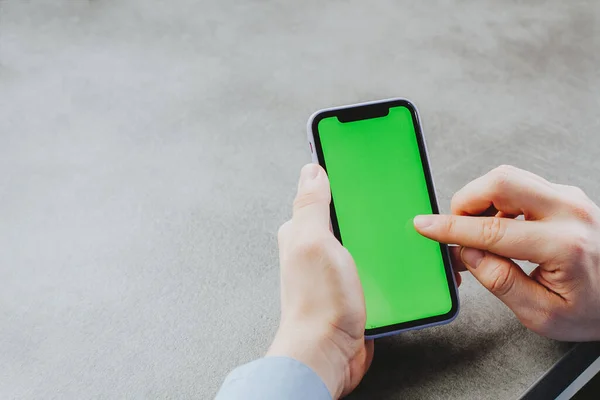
<point x="150" y="149"/>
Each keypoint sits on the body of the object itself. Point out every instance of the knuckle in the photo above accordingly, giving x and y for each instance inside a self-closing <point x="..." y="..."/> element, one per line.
<point x="577" y="242"/>
<point x="505" y="168"/>
<point x="500" y="180"/>
<point x="492" y="231"/>
<point x="305" y="199"/>
<point x="580" y="206"/>
<point x="503" y="278"/>
<point x="501" y="177"/>
<point x="309" y="248"/>
<point x="584" y="212"/>
<point x="450" y="224"/>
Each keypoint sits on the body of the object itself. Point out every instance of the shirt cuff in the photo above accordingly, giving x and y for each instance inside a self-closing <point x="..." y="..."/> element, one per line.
<point x="273" y="378"/>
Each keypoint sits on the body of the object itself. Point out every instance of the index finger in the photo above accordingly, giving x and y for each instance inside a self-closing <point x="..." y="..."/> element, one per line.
<point x="522" y="240"/>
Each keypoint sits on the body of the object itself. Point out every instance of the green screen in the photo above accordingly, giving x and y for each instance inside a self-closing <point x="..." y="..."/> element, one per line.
<point x="378" y="186"/>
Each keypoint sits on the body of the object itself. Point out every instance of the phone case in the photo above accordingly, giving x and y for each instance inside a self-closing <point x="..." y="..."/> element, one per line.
<point x="425" y="155"/>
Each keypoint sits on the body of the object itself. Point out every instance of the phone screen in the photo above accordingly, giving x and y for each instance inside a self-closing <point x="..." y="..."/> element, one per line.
<point x="379" y="184"/>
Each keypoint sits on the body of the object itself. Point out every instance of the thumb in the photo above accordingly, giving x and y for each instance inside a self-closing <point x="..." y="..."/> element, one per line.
<point x="507" y="281"/>
<point x="311" y="206"/>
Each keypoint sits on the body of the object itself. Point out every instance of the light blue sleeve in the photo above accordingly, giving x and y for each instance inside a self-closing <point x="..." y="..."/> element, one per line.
<point x="273" y="378"/>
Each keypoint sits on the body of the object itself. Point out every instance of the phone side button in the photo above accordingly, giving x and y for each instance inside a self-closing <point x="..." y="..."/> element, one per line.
<point x="311" y="148"/>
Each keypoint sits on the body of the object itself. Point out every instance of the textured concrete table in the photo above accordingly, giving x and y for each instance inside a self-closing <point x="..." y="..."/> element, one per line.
<point x="150" y="149"/>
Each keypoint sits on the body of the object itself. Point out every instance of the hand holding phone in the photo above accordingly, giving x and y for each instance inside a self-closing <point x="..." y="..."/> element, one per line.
<point x="322" y="307"/>
<point x="375" y="157"/>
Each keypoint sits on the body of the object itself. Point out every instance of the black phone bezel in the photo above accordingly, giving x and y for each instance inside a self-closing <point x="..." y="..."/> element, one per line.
<point x="376" y="110"/>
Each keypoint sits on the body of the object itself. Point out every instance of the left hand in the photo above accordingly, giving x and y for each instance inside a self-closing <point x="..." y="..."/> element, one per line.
<point x="322" y="303"/>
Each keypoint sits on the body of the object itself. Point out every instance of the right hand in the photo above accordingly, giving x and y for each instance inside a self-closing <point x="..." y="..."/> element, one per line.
<point x="560" y="299"/>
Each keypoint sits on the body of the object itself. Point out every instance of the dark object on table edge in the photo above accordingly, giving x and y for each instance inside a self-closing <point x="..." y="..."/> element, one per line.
<point x="565" y="371"/>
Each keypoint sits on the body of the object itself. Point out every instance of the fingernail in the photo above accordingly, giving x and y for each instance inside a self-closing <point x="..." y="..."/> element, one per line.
<point x="471" y="257"/>
<point x="309" y="172"/>
<point x="423" y="221"/>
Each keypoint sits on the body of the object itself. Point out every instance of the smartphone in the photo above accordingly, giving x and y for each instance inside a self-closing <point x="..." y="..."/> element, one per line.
<point x="375" y="156"/>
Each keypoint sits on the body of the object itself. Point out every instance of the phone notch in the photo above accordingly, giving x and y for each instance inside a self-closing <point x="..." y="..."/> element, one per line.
<point x="371" y="111"/>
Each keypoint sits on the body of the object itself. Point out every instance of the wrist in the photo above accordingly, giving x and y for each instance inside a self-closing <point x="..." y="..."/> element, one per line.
<point x="317" y="351"/>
